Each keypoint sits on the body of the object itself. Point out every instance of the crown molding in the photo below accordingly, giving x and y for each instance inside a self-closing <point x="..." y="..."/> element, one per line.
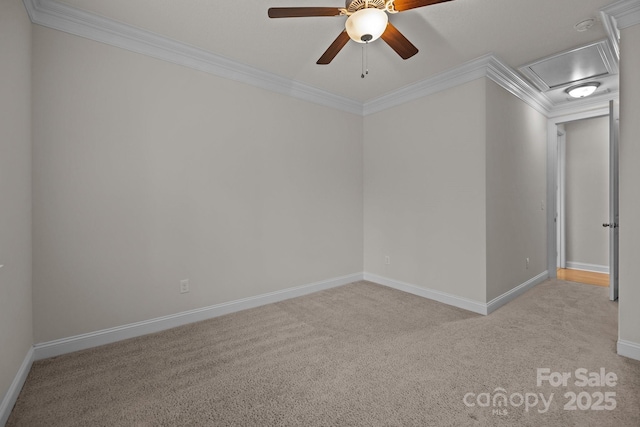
<point x="506" y="77"/>
<point x="485" y="66"/>
<point x="461" y="74"/>
<point x="62" y="17"/>
<point x="52" y="14"/>
<point x="577" y="106"/>
<point x="613" y="34"/>
<point x="619" y="15"/>
<point x="626" y="13"/>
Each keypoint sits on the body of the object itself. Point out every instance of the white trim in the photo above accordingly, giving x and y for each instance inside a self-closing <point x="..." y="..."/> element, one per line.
<point x="10" y="398"/>
<point x="119" y="333"/>
<point x="506" y="77"/>
<point x="626" y="13"/>
<point x="619" y="15"/>
<point x="613" y="34"/>
<point x="561" y="220"/>
<point x="508" y="296"/>
<point x="456" y="301"/>
<point x="629" y="349"/>
<point x="583" y="105"/>
<point x="552" y="178"/>
<point x="485" y="66"/>
<point x="552" y="197"/>
<point x="63" y="17"/>
<point x="443" y="297"/>
<point x="111" y="335"/>
<point x="588" y="267"/>
<point x="464" y="73"/>
<point x="59" y="16"/>
<point x="590" y="114"/>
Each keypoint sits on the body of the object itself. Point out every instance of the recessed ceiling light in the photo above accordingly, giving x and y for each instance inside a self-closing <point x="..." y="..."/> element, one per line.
<point x="584" y="25"/>
<point x="583" y="90"/>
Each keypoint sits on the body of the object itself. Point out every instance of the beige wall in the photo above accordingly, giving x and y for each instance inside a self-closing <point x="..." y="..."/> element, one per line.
<point x="587" y="191"/>
<point x="16" y="332"/>
<point x="516" y="188"/>
<point x="453" y="192"/>
<point x="146" y="173"/>
<point x="629" y="324"/>
<point x="425" y="192"/>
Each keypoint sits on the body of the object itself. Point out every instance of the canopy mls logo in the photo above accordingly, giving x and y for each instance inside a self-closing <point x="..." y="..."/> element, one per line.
<point x="500" y="401"/>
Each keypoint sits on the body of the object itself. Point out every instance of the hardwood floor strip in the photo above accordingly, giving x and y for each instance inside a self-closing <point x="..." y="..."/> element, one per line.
<point x="581" y="276"/>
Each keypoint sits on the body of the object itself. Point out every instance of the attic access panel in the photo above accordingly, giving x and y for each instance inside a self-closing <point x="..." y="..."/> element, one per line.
<point x="571" y="67"/>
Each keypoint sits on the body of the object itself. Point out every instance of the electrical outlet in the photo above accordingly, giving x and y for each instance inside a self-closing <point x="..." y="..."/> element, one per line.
<point x="184" y="286"/>
<point x="527" y="261"/>
<point x="387" y="260"/>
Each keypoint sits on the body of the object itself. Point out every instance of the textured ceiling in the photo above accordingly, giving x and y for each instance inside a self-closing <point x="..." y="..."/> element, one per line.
<point x="516" y="31"/>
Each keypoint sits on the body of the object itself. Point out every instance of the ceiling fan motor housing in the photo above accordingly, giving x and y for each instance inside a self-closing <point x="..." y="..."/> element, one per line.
<point x="367" y="20"/>
<point x="355" y="5"/>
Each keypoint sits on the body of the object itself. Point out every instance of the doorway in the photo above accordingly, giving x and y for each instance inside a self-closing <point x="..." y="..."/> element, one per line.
<point x="583" y="200"/>
<point x="583" y="193"/>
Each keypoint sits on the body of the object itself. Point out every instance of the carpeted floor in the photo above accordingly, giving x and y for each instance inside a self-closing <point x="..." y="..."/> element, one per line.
<point x="360" y="354"/>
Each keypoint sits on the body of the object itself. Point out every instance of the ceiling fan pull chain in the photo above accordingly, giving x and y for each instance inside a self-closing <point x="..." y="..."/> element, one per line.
<point x="363" y="47"/>
<point x="365" y="60"/>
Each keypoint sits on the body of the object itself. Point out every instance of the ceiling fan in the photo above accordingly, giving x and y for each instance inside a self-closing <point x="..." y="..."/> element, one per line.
<point x="367" y="21"/>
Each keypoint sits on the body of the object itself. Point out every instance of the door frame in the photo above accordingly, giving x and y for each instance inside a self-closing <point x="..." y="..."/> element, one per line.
<point x="614" y="197"/>
<point x="561" y="237"/>
<point x="553" y="179"/>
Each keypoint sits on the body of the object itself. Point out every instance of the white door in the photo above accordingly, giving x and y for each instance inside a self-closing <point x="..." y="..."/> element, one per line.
<point x="614" y="114"/>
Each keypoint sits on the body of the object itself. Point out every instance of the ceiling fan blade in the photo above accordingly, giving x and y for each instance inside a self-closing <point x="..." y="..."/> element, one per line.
<point x="301" y="12"/>
<point x="401" y="5"/>
<point x="333" y="50"/>
<point x="398" y="42"/>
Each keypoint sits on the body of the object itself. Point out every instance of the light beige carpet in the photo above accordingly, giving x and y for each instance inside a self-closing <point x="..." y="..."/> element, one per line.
<point x="361" y="354"/>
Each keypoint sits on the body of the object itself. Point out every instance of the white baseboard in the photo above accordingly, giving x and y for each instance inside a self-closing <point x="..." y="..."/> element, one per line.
<point x="588" y="267"/>
<point x="443" y="297"/>
<point x="6" y="406"/>
<point x="629" y="349"/>
<point x="498" y="302"/>
<point x="107" y="336"/>
<point x="456" y="301"/>
<point x="111" y="335"/>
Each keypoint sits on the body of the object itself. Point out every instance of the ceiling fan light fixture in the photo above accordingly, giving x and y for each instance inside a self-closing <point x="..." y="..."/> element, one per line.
<point x="583" y="90"/>
<point x="366" y="25"/>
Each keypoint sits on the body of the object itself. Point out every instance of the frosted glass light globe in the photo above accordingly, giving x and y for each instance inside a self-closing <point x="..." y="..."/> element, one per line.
<point x="582" y="90"/>
<point x="367" y="25"/>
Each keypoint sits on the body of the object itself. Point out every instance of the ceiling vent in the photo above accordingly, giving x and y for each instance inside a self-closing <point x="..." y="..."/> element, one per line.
<point x="573" y="66"/>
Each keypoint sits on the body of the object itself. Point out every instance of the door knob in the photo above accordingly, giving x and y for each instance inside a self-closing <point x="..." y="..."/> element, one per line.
<point x="606" y="225"/>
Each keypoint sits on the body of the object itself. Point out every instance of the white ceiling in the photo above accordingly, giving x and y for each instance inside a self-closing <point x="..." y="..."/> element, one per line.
<point x="447" y="35"/>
